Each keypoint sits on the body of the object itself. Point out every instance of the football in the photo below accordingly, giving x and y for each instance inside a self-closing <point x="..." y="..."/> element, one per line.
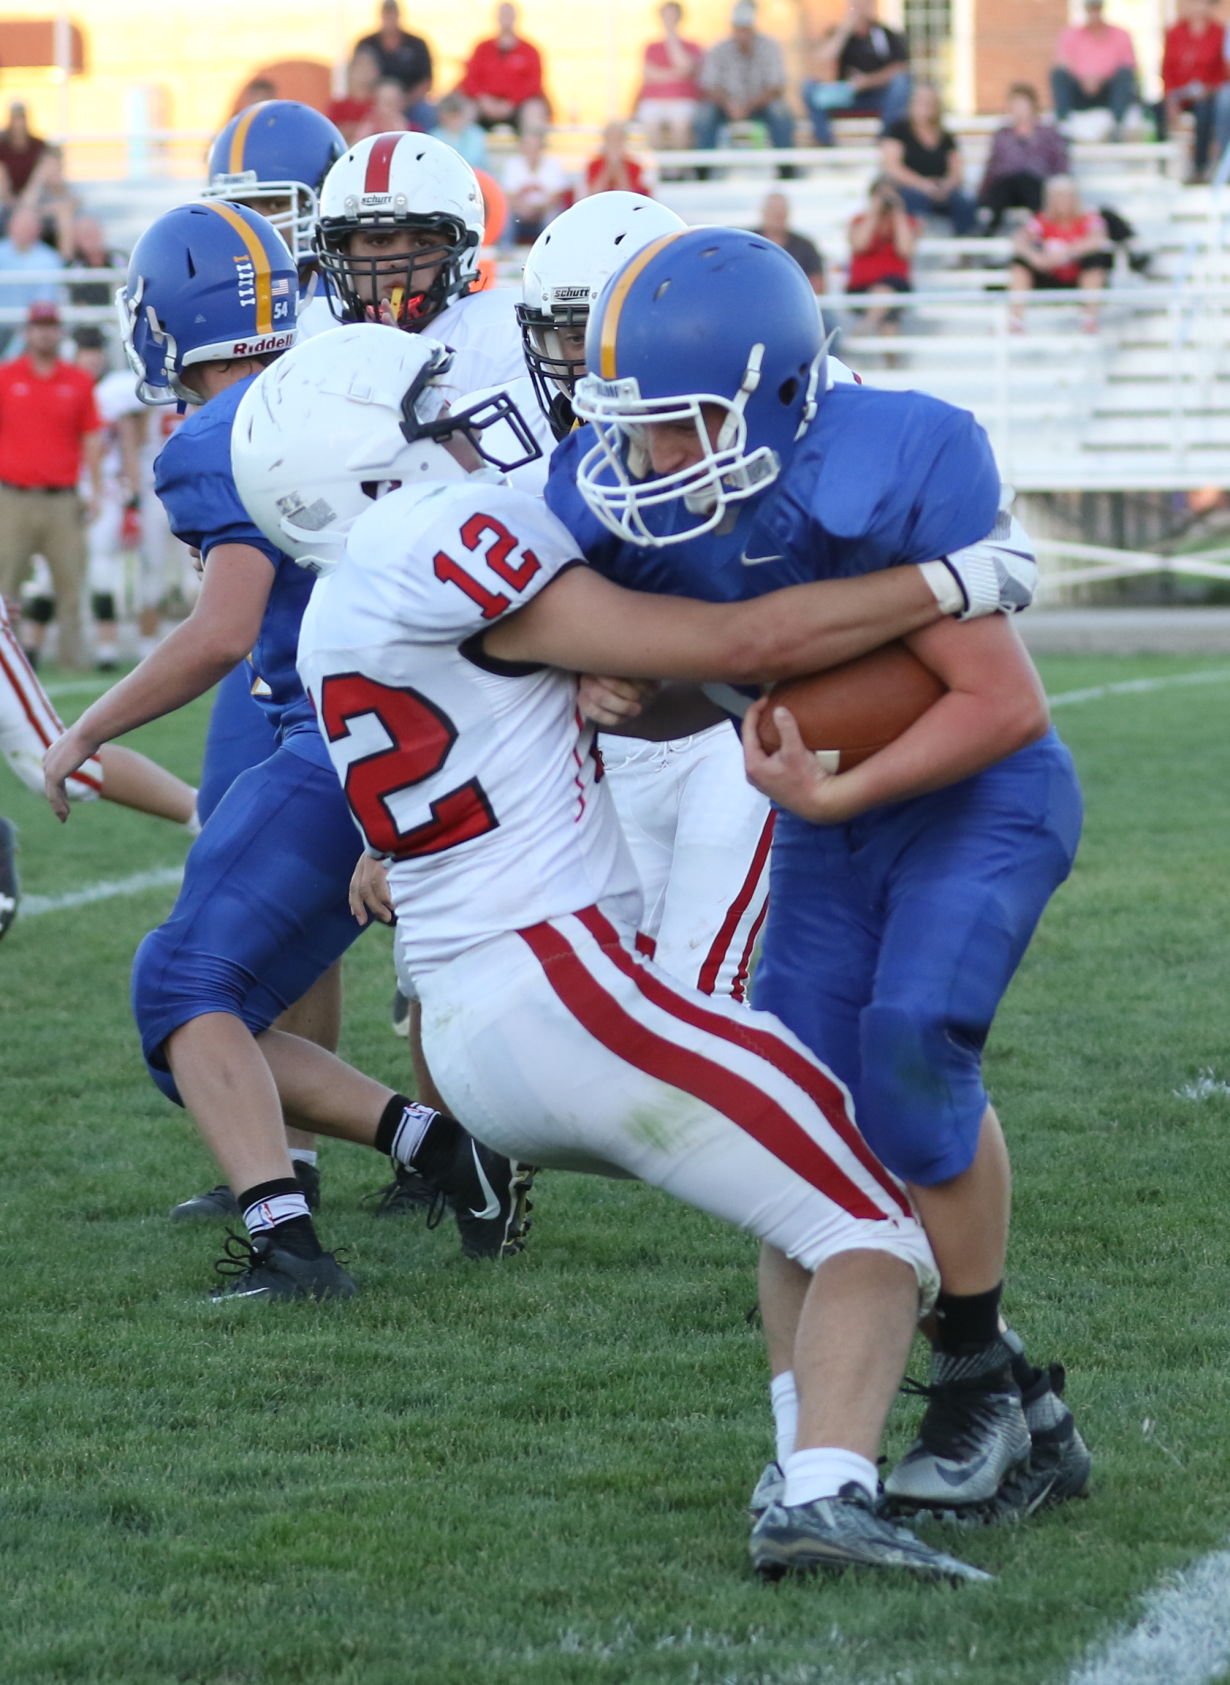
<point x="846" y="713"/>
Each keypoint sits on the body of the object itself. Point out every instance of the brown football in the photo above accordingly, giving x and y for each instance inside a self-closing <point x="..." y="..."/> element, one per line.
<point x="846" y="713"/>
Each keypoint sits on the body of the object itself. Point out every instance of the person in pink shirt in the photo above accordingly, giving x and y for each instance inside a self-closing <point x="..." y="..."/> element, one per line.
<point x="670" y="83"/>
<point x="1095" y="68"/>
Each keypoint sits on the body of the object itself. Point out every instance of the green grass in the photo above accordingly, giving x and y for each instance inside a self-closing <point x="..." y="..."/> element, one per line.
<point x="537" y="1472"/>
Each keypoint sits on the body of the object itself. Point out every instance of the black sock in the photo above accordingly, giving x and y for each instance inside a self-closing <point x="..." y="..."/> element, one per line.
<point x="279" y="1209"/>
<point x="432" y="1138"/>
<point x="1024" y="1373"/>
<point x="967" y="1319"/>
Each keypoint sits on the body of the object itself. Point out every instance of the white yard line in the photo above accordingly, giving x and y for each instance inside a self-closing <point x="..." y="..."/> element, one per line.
<point x="1137" y="687"/>
<point x="160" y="877"/>
<point x="1182" y="1635"/>
<point x="81" y="687"/>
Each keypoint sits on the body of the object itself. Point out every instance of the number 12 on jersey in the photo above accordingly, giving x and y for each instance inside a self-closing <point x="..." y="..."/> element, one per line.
<point x="516" y="576"/>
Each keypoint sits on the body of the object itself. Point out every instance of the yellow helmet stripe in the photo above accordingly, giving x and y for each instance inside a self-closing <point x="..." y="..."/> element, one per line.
<point x="261" y="267"/>
<point x="234" y="162"/>
<point x="615" y="304"/>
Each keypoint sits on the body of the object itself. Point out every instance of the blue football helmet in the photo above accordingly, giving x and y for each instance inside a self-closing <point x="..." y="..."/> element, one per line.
<point x="206" y="282"/>
<point x="273" y="158"/>
<point x="714" y="330"/>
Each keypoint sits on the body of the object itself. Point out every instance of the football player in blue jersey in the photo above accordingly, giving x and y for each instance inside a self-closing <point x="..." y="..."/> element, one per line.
<point x="273" y="158"/>
<point x="210" y="298"/>
<point x="903" y="893"/>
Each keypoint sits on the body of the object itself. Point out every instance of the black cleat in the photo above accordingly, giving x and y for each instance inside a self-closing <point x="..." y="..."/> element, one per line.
<point x="488" y="1195"/>
<point x="219" y="1203"/>
<point x="1059" y="1462"/>
<point x="972" y="1439"/>
<point x="10" y="884"/>
<point x="842" y="1532"/>
<point x="405" y="1196"/>
<point x="261" y="1269"/>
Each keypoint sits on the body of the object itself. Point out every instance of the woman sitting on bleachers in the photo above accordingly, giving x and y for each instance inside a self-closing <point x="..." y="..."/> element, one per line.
<point x="1063" y="246"/>
<point x="923" y="161"/>
<point x="882" y="240"/>
<point x="1024" y="155"/>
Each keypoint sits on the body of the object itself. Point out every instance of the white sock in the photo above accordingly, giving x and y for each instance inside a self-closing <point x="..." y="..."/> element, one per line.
<point x="301" y="1155"/>
<point x="193" y="823"/>
<point x="821" y="1472"/>
<point x="266" y="1214"/>
<point x="785" y="1401"/>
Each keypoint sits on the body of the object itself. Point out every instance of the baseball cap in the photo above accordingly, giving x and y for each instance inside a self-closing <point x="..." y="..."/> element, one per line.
<point x="744" y="15"/>
<point x="42" y="310"/>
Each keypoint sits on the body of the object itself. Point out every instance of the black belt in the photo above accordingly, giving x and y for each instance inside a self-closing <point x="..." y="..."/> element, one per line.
<point x="47" y="491"/>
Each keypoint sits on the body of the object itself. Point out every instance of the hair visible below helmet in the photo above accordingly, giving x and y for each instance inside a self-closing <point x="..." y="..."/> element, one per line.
<point x="712" y="320"/>
<point x="206" y="283"/>
<point x="343" y="417"/>
<point x="400" y="181"/>
<point x="567" y="267"/>
<point x="276" y="150"/>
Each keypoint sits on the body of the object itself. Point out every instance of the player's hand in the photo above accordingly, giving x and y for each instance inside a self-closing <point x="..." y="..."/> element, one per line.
<point x="999" y="574"/>
<point x="791" y="776"/>
<point x="611" y="702"/>
<point x="67" y="754"/>
<point x="369" y="892"/>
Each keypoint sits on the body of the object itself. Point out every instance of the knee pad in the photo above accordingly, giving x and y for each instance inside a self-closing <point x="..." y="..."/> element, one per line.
<point x="102" y="605"/>
<point x="39" y="611"/>
<point x="920" y="1094"/>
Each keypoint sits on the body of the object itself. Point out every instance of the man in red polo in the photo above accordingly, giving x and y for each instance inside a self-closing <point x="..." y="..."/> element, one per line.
<point x="49" y="426"/>
<point x="503" y="74"/>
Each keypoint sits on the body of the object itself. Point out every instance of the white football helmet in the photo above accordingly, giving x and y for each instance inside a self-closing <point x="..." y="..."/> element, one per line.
<point x="396" y="182"/>
<point x="348" y="415"/>
<point x="568" y="265"/>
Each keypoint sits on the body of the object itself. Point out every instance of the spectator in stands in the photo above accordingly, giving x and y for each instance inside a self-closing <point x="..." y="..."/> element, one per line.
<point x="536" y="184"/>
<point x="924" y="162"/>
<point x="455" y="126"/>
<point x="1063" y="246"/>
<point x="88" y="249"/>
<point x="255" y="92"/>
<point x="388" y="114"/>
<point x="882" y="240"/>
<point x="743" y="79"/>
<point x="1193" y="72"/>
<point x="22" y="252"/>
<point x="405" y="59"/>
<point x="861" y="69"/>
<point x="1024" y="154"/>
<point x="670" y="84"/>
<point x="48" y="195"/>
<point x="612" y="170"/>
<point x="20" y="152"/>
<point x="1095" y="68"/>
<point x="353" y="110"/>
<point x="504" y="76"/>
<point x="49" y="427"/>
<point x="775" y="226"/>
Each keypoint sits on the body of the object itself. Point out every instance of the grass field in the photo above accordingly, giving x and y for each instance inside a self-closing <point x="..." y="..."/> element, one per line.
<point x="537" y="1471"/>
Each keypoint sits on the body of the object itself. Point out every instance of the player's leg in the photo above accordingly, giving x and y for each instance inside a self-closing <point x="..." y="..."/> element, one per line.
<point x="407" y="1194"/>
<point x="10" y="884"/>
<point x="28" y="722"/>
<point x="105" y="576"/>
<point x="964" y="895"/>
<point x="563" y="1042"/>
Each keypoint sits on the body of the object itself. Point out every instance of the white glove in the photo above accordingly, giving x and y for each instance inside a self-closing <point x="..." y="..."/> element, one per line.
<point x="999" y="574"/>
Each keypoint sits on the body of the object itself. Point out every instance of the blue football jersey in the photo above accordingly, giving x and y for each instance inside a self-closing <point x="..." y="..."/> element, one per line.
<point x="879" y="480"/>
<point x="194" y="483"/>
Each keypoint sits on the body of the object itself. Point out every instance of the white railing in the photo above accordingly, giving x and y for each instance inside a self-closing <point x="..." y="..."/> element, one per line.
<point x="58" y="284"/>
<point x="1103" y="563"/>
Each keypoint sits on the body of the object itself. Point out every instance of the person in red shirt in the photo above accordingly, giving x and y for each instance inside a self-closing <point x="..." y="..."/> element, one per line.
<point x="49" y="425"/>
<point x="670" y="83"/>
<point x="612" y="171"/>
<point x="504" y="74"/>
<point x="353" y="110"/>
<point x="1063" y="246"/>
<point x="882" y="241"/>
<point x="1193" y="70"/>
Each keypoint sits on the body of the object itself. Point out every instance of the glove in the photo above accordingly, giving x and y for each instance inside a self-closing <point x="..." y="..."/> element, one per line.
<point x="999" y="574"/>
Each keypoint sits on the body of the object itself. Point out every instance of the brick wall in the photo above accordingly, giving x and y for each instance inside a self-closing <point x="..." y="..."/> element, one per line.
<point x="1015" y="42"/>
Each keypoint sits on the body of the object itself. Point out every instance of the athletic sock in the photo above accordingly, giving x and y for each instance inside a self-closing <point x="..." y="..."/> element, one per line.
<point x="1024" y="1373"/>
<point x="417" y="1136"/>
<point x="967" y="1320"/>
<point x="822" y="1471"/>
<point x="785" y="1400"/>
<point x="278" y="1208"/>
<point x="301" y="1155"/>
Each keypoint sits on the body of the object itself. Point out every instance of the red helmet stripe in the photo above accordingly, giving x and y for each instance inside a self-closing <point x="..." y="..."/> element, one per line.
<point x="379" y="163"/>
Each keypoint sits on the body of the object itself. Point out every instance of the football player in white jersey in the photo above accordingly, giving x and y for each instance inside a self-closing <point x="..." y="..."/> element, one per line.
<point x="401" y="224"/>
<point x="698" y="831"/>
<point x="432" y="649"/>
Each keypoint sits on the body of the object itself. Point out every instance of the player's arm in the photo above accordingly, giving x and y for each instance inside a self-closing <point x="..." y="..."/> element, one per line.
<point x="586" y="624"/>
<point x="223" y="626"/>
<point x="993" y="706"/>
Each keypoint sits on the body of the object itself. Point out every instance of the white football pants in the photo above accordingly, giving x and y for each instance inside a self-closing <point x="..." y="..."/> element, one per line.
<point x="29" y="724"/>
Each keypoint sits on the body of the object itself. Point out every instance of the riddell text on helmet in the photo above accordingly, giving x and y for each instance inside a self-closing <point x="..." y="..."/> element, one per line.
<point x="269" y="342"/>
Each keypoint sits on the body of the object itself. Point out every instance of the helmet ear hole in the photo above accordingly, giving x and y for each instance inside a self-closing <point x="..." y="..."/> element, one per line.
<point x="788" y="391"/>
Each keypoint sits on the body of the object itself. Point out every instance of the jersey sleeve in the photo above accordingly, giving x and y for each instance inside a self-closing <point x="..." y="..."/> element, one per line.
<point x="960" y="490"/>
<point x="468" y="555"/>
<point x="195" y="486"/>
